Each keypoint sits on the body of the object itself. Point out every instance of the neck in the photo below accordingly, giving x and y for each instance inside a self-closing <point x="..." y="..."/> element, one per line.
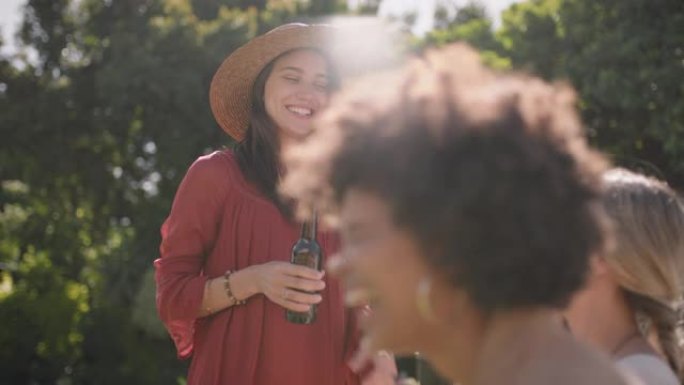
<point x="452" y="353"/>
<point x="495" y="345"/>
<point x="286" y="143"/>
<point x="602" y="317"/>
<point x="515" y="339"/>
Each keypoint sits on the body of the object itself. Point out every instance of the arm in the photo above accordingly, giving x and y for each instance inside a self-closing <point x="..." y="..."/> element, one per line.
<point x="243" y="284"/>
<point x="188" y="234"/>
<point x="281" y="282"/>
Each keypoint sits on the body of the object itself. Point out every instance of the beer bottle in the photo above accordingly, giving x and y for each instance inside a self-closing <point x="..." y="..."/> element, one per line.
<point x="306" y="252"/>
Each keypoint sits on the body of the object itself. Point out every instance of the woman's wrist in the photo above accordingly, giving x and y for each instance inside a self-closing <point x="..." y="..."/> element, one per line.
<point x="228" y="290"/>
<point x="243" y="283"/>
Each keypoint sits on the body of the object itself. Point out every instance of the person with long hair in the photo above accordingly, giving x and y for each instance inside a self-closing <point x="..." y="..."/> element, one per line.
<point x="632" y="303"/>
<point x="468" y="206"/>
<point x="224" y="277"/>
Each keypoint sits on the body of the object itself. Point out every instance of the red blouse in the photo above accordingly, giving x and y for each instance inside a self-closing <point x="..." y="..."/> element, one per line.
<point x="220" y="222"/>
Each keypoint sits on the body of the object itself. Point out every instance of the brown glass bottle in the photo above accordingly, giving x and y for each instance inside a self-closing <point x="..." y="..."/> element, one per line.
<point x="306" y="252"/>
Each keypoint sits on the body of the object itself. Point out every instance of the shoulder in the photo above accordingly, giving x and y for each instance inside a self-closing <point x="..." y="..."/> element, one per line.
<point x="649" y="369"/>
<point x="218" y="162"/>
<point x="211" y="174"/>
<point x="214" y="168"/>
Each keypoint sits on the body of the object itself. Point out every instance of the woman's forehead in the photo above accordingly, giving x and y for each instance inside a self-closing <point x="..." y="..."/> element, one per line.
<point x="302" y="60"/>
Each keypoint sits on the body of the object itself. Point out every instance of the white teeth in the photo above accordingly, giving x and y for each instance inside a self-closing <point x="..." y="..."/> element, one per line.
<point x="300" y="110"/>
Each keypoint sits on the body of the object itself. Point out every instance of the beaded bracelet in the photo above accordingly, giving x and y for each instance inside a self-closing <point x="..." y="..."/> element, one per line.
<point x="229" y="292"/>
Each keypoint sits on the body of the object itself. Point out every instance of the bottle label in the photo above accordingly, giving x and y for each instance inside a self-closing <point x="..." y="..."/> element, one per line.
<point x="304" y="258"/>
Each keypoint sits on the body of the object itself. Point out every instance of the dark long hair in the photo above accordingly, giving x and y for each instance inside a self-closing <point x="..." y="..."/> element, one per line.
<point x="258" y="154"/>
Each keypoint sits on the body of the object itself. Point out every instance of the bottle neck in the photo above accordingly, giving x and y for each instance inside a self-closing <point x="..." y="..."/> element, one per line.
<point x="309" y="228"/>
<point x="306" y="230"/>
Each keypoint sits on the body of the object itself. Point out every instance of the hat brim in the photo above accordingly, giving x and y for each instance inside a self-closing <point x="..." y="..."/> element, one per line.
<point x="230" y="93"/>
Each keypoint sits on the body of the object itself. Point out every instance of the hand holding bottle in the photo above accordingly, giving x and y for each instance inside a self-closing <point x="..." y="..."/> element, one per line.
<point x="289" y="285"/>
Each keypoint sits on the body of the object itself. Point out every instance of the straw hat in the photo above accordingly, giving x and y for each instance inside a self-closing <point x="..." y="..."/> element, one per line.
<point x="230" y="93"/>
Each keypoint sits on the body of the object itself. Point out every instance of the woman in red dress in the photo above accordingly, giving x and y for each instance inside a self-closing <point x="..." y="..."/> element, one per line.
<point x="224" y="279"/>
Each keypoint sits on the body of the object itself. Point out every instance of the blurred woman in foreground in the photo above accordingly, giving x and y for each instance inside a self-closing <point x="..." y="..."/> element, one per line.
<point x="468" y="204"/>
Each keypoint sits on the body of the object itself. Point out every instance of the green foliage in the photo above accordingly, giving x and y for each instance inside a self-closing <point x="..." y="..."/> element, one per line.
<point x="102" y="128"/>
<point x="625" y="58"/>
<point x="529" y="30"/>
<point x="471" y="25"/>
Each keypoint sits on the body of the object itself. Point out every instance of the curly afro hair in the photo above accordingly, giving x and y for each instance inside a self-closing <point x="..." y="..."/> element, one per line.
<point x="491" y="172"/>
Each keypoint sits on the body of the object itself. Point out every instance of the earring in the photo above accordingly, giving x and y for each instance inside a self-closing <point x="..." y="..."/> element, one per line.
<point x="423" y="300"/>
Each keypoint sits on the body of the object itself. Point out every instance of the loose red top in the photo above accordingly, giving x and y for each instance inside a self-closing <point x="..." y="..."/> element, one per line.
<point x="220" y="222"/>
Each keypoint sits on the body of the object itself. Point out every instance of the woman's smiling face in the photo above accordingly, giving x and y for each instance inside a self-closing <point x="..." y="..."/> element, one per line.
<point x="295" y="91"/>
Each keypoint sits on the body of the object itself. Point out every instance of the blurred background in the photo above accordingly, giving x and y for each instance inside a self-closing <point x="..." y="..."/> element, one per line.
<point x="104" y="105"/>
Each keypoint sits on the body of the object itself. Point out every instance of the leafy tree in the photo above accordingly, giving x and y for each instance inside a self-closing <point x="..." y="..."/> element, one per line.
<point x="102" y="127"/>
<point x="530" y="37"/>
<point x="469" y="24"/>
<point x="625" y="59"/>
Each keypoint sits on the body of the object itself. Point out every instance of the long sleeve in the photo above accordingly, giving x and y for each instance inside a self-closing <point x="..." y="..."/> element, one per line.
<point x="188" y="235"/>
